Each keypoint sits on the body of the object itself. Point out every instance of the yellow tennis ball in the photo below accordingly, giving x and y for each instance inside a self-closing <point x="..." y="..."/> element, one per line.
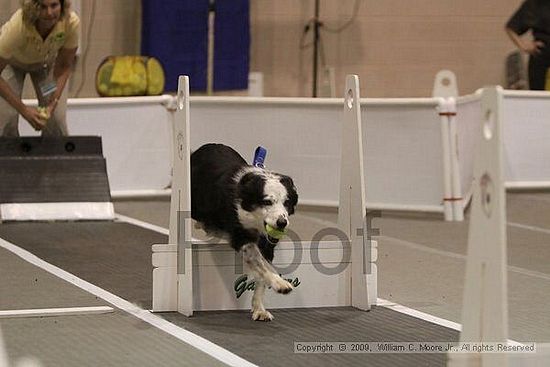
<point x="274" y="232"/>
<point x="43" y="112"/>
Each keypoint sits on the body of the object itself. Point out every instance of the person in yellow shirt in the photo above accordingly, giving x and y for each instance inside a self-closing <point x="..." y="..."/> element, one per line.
<point x="40" y="39"/>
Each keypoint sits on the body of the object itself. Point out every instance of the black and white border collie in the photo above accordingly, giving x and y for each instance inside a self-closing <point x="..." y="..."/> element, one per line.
<point x="236" y="200"/>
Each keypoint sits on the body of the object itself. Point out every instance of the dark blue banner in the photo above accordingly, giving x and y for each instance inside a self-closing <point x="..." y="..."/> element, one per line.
<point x="176" y="32"/>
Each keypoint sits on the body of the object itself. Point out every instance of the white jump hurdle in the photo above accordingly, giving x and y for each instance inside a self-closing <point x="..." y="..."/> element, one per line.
<point x="485" y="301"/>
<point x="191" y="275"/>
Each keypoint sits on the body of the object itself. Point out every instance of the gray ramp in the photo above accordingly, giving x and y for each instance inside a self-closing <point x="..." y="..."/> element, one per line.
<point x="61" y="178"/>
<point x="64" y="169"/>
<point x="31" y="146"/>
<point x="82" y="179"/>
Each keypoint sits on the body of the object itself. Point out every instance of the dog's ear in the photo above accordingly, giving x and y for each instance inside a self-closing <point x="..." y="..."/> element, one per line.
<point x="292" y="199"/>
<point x="250" y="190"/>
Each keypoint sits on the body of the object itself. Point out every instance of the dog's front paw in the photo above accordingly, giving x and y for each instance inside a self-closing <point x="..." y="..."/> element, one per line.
<point x="280" y="285"/>
<point x="261" y="315"/>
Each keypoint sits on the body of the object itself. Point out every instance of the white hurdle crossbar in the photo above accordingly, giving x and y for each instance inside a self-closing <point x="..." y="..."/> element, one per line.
<point x="173" y="263"/>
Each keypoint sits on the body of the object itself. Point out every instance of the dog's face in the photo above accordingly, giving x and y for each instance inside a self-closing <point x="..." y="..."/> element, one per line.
<point x="265" y="198"/>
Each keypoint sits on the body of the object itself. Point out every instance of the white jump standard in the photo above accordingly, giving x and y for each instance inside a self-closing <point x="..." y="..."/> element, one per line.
<point x="191" y="275"/>
<point x="485" y="300"/>
<point x="485" y="312"/>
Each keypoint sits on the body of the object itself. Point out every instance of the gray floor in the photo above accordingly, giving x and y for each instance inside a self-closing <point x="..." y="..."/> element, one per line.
<point x="422" y="258"/>
<point x="421" y="265"/>
<point x="112" y="339"/>
<point x="117" y="258"/>
<point x="272" y="344"/>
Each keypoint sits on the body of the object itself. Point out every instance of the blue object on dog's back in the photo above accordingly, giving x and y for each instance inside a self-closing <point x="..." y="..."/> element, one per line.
<point x="263" y="243"/>
<point x="259" y="157"/>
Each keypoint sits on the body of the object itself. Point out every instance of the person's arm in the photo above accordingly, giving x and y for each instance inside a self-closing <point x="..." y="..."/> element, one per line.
<point x="30" y="114"/>
<point x="62" y="71"/>
<point x="523" y="20"/>
<point x="530" y="46"/>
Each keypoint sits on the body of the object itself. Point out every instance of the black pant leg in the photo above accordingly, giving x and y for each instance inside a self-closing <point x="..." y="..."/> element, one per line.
<point x="537" y="70"/>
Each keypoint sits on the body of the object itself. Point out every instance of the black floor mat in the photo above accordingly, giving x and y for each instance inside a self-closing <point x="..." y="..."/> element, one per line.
<point x="113" y="256"/>
<point x="272" y="343"/>
<point x="117" y="258"/>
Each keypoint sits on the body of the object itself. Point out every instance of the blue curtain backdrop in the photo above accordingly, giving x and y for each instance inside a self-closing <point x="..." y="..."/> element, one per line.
<point x="176" y="32"/>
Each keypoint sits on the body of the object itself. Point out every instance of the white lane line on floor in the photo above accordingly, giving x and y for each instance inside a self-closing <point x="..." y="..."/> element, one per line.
<point x="139" y="223"/>
<point x="529" y="273"/>
<point x="162" y="230"/>
<point x="426" y="317"/>
<point x="49" y="312"/>
<point x="186" y="336"/>
<point x="418" y="314"/>
<point x="529" y="228"/>
<point x="424" y="248"/>
<point x="325" y="223"/>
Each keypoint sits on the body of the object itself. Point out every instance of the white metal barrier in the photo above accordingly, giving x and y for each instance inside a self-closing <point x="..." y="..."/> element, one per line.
<point x="525" y="133"/>
<point x="405" y="154"/>
<point x="464" y="127"/>
<point x="193" y="275"/>
<point x="302" y="136"/>
<point x="136" y="134"/>
<point x="427" y="141"/>
<point x="526" y="119"/>
<point x="405" y="138"/>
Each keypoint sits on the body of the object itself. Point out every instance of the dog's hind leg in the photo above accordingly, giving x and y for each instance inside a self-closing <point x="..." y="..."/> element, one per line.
<point x="259" y="313"/>
<point x="263" y="270"/>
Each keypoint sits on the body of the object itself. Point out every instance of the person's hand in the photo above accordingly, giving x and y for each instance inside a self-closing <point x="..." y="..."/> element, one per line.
<point x="51" y="107"/>
<point x="34" y="117"/>
<point x="532" y="47"/>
